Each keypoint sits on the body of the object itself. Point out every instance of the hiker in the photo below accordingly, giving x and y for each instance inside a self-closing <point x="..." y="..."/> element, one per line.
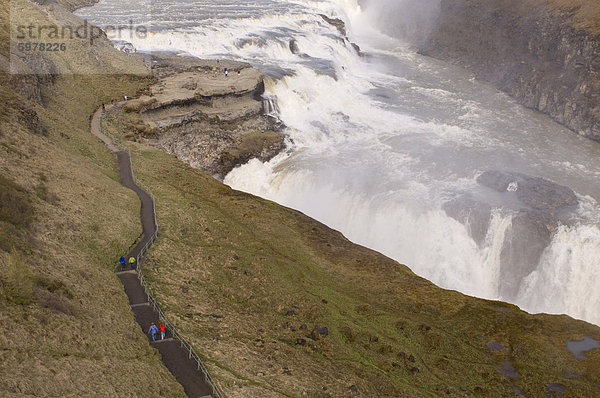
<point x="238" y="72"/>
<point x="122" y="260"/>
<point x="132" y="262"/>
<point x="226" y="72"/>
<point x="153" y="330"/>
<point x="125" y="98"/>
<point x="103" y="108"/>
<point x="162" y="329"/>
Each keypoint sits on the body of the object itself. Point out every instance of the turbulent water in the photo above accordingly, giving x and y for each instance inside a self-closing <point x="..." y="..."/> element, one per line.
<point x="388" y="147"/>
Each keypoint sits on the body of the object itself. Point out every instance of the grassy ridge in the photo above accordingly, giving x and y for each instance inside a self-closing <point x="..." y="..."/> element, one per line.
<point x="240" y="276"/>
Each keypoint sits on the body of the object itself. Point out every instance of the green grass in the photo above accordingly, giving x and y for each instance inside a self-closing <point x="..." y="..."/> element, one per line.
<point x="64" y="220"/>
<point x="228" y="266"/>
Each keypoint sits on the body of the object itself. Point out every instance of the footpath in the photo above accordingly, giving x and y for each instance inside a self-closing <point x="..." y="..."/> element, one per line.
<point x="176" y="356"/>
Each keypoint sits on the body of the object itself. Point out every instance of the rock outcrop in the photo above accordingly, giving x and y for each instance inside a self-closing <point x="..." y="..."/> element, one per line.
<point x="542" y="52"/>
<point x="537" y="207"/>
<point x="210" y="119"/>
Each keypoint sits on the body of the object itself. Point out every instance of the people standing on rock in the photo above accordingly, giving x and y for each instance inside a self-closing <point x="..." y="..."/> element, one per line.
<point x="162" y="329"/>
<point x="226" y="72"/>
<point x="132" y="262"/>
<point x="125" y="97"/>
<point x="152" y="331"/>
<point x="239" y="72"/>
<point x="103" y="108"/>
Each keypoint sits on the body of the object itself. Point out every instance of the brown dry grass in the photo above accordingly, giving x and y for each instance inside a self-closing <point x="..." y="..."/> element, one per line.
<point x="581" y="14"/>
<point x="229" y="266"/>
<point x="67" y="329"/>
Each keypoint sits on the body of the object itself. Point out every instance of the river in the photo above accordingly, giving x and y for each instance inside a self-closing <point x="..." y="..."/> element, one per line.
<point x="402" y="153"/>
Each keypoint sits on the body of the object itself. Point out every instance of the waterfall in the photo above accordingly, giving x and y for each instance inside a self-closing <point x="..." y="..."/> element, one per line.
<point x="270" y="106"/>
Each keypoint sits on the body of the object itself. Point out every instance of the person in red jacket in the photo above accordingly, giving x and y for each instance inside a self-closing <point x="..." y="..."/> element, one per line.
<point x="162" y="330"/>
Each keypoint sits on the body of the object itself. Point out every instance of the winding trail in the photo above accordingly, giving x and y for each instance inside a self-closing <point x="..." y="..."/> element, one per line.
<point x="175" y="358"/>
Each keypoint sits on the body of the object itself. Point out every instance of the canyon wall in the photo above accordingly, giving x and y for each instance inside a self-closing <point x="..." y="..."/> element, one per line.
<point x="544" y="53"/>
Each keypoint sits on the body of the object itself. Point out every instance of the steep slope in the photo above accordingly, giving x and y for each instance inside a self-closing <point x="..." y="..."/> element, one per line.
<point x="281" y="305"/>
<point x="67" y="329"/>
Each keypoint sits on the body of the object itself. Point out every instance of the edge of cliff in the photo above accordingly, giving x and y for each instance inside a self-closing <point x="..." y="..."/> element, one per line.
<point x="544" y="53"/>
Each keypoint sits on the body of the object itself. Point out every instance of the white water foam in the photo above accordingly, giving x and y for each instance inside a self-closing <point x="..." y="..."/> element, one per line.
<point x="566" y="280"/>
<point x="378" y="144"/>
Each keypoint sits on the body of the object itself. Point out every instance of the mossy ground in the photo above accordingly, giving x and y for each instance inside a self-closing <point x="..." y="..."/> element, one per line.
<point x="240" y="276"/>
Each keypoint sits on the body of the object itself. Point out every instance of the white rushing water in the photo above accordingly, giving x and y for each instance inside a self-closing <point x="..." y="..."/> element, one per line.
<point x="387" y="148"/>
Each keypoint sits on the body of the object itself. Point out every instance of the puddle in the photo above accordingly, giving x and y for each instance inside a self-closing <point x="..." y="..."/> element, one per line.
<point x="508" y="370"/>
<point x="577" y="348"/>
<point x="494" y="346"/>
<point x="556" y="390"/>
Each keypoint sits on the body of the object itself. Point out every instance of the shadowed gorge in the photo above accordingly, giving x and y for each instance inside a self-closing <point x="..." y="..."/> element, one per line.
<point x="546" y="54"/>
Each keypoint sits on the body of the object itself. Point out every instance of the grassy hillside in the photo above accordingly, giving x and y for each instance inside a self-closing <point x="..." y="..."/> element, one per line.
<point x="67" y="329"/>
<point x="251" y="284"/>
<point x="279" y="304"/>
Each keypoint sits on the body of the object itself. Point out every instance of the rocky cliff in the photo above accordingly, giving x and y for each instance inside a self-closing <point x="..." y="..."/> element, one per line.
<point x="545" y="53"/>
<point x="210" y="119"/>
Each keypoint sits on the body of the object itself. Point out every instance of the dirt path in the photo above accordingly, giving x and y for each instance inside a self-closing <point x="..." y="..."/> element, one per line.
<point x="173" y="355"/>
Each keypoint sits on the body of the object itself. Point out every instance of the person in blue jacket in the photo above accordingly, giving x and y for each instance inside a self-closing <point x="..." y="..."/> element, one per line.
<point x="153" y="330"/>
<point x="122" y="260"/>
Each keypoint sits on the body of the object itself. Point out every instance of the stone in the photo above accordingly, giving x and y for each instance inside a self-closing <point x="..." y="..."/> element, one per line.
<point x="322" y="330"/>
<point x="537" y="206"/>
<point x="294" y="48"/>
